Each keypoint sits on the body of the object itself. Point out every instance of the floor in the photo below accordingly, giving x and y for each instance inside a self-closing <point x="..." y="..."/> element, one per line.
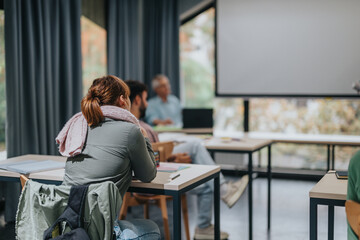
<point x="290" y="214"/>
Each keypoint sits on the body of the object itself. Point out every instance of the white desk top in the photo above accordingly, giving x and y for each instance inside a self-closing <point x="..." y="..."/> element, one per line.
<point x="243" y="144"/>
<point x="219" y="143"/>
<point x="185" y="130"/>
<point x="295" y="138"/>
<point x="188" y="176"/>
<point x="162" y="181"/>
<point x="329" y="187"/>
<point x="4" y="173"/>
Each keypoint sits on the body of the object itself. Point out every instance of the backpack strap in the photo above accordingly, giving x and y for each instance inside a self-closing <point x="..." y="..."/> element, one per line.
<point x="72" y="214"/>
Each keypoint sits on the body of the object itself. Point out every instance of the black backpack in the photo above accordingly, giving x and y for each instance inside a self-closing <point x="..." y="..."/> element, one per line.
<point x="72" y="216"/>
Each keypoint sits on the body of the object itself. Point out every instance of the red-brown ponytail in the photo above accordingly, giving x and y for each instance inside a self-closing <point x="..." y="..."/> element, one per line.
<point x="103" y="91"/>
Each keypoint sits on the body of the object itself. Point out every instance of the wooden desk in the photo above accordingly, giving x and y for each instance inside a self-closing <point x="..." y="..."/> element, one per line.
<point x="245" y="146"/>
<point x="321" y="139"/>
<point x="328" y="191"/>
<point x="189" y="178"/>
<point x="185" y="130"/>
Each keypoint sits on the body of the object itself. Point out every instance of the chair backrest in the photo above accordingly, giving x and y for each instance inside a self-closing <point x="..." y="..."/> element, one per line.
<point x="164" y="148"/>
<point x="352" y="209"/>
<point x="23" y="180"/>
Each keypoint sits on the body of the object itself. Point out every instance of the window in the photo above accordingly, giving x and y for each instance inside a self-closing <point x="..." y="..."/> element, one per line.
<point x="93" y="48"/>
<point x="197" y="60"/>
<point x="2" y="87"/>
<point x="310" y="116"/>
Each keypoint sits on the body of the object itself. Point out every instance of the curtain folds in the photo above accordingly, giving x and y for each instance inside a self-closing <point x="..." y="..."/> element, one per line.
<point x="43" y="72"/>
<point x="143" y="40"/>
<point x="161" y="41"/>
<point x="123" y="41"/>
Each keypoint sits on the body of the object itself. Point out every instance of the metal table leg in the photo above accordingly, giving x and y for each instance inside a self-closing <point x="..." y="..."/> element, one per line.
<point x="333" y="158"/>
<point x="259" y="157"/>
<point x="313" y="219"/>
<point x="328" y="158"/>
<point x="269" y="186"/>
<point x="217" y="206"/>
<point x="250" y="195"/>
<point x="330" y="222"/>
<point x="177" y="216"/>
<point x="212" y="154"/>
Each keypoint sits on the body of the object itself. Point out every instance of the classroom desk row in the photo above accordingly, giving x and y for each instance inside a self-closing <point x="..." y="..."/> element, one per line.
<point x="329" y="140"/>
<point x="244" y="146"/>
<point x="189" y="178"/>
<point x="329" y="191"/>
<point x="248" y="144"/>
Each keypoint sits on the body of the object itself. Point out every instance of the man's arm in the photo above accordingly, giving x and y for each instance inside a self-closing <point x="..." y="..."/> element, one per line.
<point x="180" y="158"/>
<point x="165" y="122"/>
<point x="141" y="156"/>
<point x="178" y="117"/>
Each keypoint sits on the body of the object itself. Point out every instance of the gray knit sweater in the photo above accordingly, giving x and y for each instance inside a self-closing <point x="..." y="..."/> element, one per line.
<point x="112" y="151"/>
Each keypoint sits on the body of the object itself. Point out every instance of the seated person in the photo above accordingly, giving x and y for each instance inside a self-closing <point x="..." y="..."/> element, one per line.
<point x="192" y="151"/>
<point x="164" y="108"/>
<point x="106" y="143"/>
<point x="353" y="191"/>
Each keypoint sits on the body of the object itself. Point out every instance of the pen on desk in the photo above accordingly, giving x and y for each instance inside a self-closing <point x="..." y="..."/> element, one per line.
<point x="174" y="176"/>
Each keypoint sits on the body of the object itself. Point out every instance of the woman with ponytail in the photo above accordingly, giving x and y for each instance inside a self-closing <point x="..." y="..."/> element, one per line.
<point x="104" y="142"/>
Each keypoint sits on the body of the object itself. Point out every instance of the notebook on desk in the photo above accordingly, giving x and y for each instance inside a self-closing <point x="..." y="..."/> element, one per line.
<point x="170" y="168"/>
<point x="341" y="174"/>
<point x="197" y="118"/>
<point x="31" y="166"/>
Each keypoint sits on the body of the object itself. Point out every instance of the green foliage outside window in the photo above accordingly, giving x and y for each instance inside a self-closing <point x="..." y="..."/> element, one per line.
<point x="197" y="61"/>
<point x="93" y="49"/>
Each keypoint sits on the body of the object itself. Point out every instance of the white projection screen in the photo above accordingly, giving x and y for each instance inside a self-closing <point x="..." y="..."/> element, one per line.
<point x="287" y="47"/>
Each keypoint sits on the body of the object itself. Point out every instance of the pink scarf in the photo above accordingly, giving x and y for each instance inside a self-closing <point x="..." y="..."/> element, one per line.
<point x="72" y="137"/>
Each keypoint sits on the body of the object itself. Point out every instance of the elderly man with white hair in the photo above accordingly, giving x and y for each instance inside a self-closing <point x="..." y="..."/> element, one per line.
<point x="165" y="108"/>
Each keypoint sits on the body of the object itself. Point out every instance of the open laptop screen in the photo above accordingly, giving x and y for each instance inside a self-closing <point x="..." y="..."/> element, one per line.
<point x="197" y="118"/>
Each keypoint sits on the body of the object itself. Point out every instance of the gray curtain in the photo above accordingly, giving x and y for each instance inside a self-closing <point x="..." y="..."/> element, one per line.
<point x="143" y="40"/>
<point x="123" y="40"/>
<point x="161" y="41"/>
<point x="43" y="75"/>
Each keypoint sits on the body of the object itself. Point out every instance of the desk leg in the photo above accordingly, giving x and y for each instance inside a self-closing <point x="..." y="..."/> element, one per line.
<point x="177" y="216"/>
<point x="269" y="186"/>
<point x="313" y="219"/>
<point x="250" y="195"/>
<point x="328" y="158"/>
<point x="333" y="157"/>
<point x="330" y="222"/>
<point x="212" y="154"/>
<point x="259" y="162"/>
<point x="217" y="206"/>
